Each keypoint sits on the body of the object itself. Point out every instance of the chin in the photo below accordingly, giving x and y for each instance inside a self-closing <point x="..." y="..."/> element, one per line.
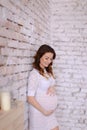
<point x="46" y="66"/>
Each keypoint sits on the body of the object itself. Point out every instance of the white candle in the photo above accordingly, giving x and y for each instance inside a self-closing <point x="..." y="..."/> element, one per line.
<point x="5" y="101"/>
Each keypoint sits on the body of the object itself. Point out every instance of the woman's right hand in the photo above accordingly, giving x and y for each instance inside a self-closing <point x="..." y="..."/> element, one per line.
<point x="47" y="113"/>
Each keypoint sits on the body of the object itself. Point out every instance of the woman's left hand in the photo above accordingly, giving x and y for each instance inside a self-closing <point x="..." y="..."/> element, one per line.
<point x="51" y="91"/>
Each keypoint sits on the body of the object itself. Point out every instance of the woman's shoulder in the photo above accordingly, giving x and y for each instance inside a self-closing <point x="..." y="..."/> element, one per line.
<point x="34" y="74"/>
<point x="34" y="71"/>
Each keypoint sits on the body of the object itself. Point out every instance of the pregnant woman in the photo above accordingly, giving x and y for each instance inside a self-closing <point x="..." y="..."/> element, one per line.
<point x="42" y="98"/>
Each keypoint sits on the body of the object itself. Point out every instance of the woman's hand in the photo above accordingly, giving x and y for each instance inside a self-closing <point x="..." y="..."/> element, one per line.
<point x="35" y="103"/>
<point x="51" y="91"/>
<point x="49" y="112"/>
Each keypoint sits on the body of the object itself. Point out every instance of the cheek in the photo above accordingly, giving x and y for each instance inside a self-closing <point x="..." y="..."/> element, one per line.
<point x="41" y="60"/>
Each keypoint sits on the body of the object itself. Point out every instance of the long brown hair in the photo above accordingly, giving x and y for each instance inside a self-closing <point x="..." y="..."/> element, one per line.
<point x="41" y="51"/>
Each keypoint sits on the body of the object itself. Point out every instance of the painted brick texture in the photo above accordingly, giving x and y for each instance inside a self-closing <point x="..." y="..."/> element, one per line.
<point x="69" y="36"/>
<point x="24" y="25"/>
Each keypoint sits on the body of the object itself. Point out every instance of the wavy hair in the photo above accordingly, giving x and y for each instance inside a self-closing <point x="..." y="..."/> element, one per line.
<point x="41" y="51"/>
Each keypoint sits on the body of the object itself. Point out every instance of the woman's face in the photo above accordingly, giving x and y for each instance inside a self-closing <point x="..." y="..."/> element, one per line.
<point x="46" y="59"/>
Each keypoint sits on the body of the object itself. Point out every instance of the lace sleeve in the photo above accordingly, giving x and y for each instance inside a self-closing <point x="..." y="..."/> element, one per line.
<point x="32" y="83"/>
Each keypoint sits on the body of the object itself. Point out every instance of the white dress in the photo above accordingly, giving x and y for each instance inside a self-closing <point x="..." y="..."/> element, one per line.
<point x="37" y="86"/>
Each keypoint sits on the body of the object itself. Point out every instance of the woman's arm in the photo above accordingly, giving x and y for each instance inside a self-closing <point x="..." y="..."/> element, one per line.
<point x="33" y="102"/>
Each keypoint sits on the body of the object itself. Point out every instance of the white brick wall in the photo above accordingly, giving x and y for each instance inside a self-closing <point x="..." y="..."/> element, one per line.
<point x="24" y="25"/>
<point x="69" y="35"/>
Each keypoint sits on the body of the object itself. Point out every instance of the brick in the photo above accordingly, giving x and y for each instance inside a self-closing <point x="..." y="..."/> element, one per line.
<point x="14" y="52"/>
<point x="14" y="35"/>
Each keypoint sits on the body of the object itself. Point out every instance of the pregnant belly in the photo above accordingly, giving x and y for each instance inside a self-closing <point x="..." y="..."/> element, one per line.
<point x="47" y="101"/>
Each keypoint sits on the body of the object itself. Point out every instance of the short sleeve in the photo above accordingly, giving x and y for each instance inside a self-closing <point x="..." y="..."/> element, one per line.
<point x="32" y="83"/>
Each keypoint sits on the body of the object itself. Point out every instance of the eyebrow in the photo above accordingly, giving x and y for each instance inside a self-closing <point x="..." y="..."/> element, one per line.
<point x="49" y="57"/>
